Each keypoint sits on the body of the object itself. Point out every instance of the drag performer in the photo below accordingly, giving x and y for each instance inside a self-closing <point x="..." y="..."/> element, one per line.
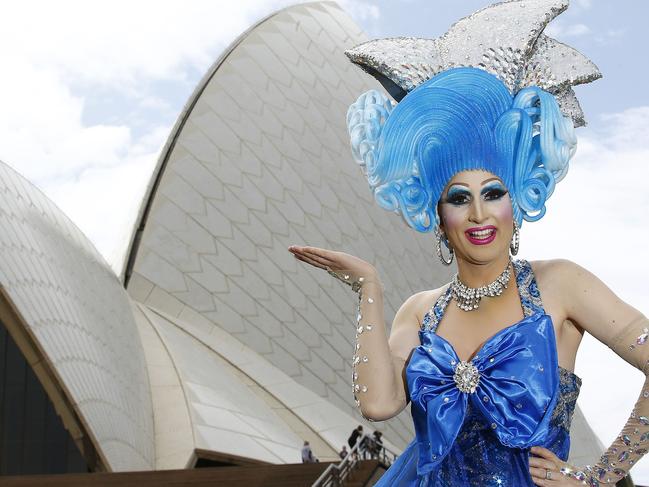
<point x="481" y="132"/>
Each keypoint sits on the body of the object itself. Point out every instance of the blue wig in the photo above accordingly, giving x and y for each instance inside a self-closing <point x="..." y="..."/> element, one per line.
<point x="461" y="119"/>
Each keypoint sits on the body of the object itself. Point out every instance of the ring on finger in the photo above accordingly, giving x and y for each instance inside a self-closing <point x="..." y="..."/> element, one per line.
<point x="548" y="474"/>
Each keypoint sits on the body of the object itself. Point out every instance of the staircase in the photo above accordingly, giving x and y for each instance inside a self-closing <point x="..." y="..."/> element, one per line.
<point x="290" y="475"/>
<point x="366" y="474"/>
<point x="362" y="467"/>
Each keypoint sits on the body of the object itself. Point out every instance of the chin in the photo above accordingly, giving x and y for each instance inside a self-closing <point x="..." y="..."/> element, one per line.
<point x="486" y="255"/>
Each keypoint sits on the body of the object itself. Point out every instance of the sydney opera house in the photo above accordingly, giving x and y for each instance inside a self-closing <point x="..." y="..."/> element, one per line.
<point x="215" y="346"/>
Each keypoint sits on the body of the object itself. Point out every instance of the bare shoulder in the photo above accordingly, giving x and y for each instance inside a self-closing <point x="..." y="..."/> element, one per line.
<point x="419" y="303"/>
<point x="557" y="271"/>
<point x="407" y="322"/>
<point x="561" y="281"/>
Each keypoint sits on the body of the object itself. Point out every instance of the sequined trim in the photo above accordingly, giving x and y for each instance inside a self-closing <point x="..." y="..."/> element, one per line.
<point x="434" y="315"/>
<point x="569" y="386"/>
<point x="528" y="290"/>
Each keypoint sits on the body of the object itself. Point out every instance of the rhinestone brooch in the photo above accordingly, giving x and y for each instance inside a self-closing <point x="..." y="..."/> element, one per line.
<point x="466" y="377"/>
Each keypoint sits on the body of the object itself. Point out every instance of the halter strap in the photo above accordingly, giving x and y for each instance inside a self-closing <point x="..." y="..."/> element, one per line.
<point x="528" y="292"/>
<point x="527" y="288"/>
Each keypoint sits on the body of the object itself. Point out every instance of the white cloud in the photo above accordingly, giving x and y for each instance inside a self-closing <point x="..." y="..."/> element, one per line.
<point x="104" y="201"/>
<point x="598" y="218"/>
<point x="360" y="10"/>
<point x="120" y="41"/>
<point x="576" y="30"/>
<point x="560" y="30"/>
<point x="41" y="130"/>
<point x="611" y="36"/>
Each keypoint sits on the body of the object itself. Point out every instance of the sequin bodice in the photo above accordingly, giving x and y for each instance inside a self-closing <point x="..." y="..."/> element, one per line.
<point x="475" y="421"/>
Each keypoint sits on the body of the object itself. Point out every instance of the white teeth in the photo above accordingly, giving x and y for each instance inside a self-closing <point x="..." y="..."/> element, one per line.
<point x="482" y="233"/>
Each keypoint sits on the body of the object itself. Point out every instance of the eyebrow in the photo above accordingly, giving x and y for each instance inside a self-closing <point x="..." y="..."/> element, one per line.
<point x="490" y="179"/>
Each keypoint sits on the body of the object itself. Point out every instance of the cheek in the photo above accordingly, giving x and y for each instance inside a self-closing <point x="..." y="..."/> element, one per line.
<point x="452" y="216"/>
<point x="502" y="209"/>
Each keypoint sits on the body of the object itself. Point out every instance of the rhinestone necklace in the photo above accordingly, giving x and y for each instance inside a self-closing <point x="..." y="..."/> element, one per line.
<point x="468" y="298"/>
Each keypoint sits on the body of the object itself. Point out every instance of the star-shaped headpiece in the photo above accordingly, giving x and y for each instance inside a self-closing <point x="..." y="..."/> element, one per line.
<point x="504" y="39"/>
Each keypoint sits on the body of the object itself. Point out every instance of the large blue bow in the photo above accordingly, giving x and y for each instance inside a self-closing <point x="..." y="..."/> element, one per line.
<point x="517" y="389"/>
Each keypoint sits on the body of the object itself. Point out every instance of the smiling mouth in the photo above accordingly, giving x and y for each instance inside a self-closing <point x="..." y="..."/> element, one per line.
<point x="481" y="236"/>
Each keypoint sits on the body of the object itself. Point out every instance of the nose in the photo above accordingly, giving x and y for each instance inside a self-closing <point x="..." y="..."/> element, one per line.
<point x="476" y="214"/>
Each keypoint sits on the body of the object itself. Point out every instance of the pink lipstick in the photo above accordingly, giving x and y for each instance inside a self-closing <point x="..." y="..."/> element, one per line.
<point x="481" y="235"/>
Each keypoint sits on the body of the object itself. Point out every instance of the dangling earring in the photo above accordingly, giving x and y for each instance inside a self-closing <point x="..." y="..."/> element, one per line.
<point x="516" y="239"/>
<point x="439" y="237"/>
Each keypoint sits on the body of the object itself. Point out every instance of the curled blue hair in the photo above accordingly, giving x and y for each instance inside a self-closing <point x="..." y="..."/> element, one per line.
<point x="461" y="119"/>
<point x="365" y="119"/>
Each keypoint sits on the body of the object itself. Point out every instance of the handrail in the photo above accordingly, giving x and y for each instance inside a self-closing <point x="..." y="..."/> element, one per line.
<point x="336" y="473"/>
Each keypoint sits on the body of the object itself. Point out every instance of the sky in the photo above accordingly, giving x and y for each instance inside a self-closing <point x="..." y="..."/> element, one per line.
<point x="89" y="92"/>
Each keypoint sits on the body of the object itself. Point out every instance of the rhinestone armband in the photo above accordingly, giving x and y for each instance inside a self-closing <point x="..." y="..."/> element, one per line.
<point x="614" y="464"/>
<point x="572" y="473"/>
<point x="611" y="467"/>
<point x="632" y="443"/>
<point x="359" y="357"/>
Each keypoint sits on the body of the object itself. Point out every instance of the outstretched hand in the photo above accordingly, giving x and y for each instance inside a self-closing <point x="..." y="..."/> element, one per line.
<point x="545" y="469"/>
<point x="345" y="266"/>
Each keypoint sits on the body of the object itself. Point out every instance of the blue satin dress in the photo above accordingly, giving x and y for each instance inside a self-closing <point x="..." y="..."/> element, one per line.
<point x="522" y="399"/>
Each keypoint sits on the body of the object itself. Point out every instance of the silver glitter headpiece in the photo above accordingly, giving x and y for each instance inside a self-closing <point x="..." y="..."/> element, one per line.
<point x="504" y="39"/>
